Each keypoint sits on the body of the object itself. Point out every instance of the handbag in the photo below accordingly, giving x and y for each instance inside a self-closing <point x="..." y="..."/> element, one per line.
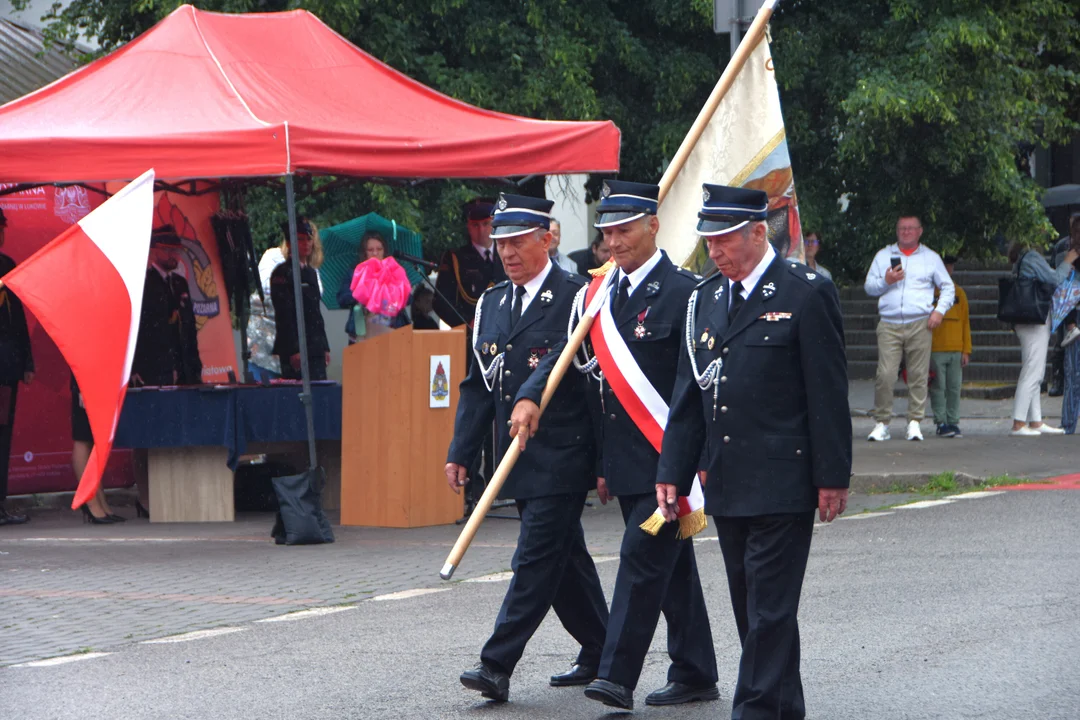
<point x="1023" y="300"/>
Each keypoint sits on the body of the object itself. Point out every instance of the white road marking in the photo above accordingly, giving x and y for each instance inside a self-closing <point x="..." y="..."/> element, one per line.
<point x="976" y="494"/>
<point x="406" y="594"/>
<point x="494" y="577"/>
<point x="312" y="612"/>
<point x="924" y="504"/>
<point x="604" y="558"/>
<point x="64" y="660"/>
<point x="866" y="515"/>
<point x="712" y="538"/>
<point x="197" y="635"/>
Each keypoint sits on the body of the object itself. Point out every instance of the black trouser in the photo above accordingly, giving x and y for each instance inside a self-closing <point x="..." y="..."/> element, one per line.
<point x="316" y="365"/>
<point x="5" y="443"/>
<point x="552" y="569"/>
<point x="657" y="573"/>
<point x="765" y="558"/>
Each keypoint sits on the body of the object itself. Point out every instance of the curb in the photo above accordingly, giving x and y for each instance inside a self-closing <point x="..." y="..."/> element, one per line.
<point x="880" y="483"/>
<point x="118" y="497"/>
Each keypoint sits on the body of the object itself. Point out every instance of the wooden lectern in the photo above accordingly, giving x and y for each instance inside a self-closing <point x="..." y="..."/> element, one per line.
<point x="393" y="443"/>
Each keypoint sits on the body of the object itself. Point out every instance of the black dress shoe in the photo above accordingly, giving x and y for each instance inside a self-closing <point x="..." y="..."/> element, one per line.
<point x="489" y="683"/>
<point x="675" y="693"/>
<point x="578" y="675"/>
<point x="611" y="694"/>
<point x="7" y="518"/>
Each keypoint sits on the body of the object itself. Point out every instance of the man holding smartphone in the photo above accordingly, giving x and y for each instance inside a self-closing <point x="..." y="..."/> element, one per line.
<point x="903" y="277"/>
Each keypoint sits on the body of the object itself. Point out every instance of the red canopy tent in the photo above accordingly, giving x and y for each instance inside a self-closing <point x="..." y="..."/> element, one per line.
<point x="207" y="95"/>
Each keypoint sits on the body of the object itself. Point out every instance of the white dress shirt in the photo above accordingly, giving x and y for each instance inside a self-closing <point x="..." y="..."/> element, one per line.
<point x="638" y="276"/>
<point x="750" y="281"/>
<point x="531" y="288"/>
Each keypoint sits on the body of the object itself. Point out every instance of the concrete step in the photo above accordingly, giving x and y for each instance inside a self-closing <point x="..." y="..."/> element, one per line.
<point x="981" y="372"/>
<point x="992" y="354"/>
<point x="979" y="339"/>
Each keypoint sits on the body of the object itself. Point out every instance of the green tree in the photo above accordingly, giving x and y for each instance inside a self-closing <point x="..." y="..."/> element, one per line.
<point x="924" y="107"/>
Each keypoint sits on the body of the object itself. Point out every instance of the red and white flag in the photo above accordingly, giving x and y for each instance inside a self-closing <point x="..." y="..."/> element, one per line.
<point x="85" y="288"/>
<point x="645" y="406"/>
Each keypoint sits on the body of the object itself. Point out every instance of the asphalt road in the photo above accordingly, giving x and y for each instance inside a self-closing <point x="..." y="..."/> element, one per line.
<point x="960" y="610"/>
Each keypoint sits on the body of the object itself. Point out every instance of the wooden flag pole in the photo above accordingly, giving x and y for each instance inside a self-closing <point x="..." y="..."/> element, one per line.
<point x="727" y="79"/>
<point x="734" y="66"/>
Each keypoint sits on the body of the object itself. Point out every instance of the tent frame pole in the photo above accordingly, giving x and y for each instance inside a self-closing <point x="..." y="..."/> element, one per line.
<point x="301" y="330"/>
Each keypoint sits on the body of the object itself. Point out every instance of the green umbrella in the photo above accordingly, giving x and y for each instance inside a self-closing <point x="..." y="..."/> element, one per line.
<point x="341" y="251"/>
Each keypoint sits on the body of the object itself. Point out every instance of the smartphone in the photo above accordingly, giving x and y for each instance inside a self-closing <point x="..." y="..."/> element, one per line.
<point x="895" y="262"/>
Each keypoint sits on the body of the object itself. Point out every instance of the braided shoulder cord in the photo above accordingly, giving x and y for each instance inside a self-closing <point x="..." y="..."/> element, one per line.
<point x="711" y="375"/>
<point x="577" y="311"/>
<point x="494" y="370"/>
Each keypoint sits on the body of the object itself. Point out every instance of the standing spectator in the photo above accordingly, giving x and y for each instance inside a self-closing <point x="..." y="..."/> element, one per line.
<point x="812" y="244"/>
<point x="466" y="272"/>
<point x="287" y="338"/>
<point x="16" y="365"/>
<point x="950" y="353"/>
<point x="167" y="349"/>
<point x="596" y="255"/>
<point x="372" y="245"/>
<point x="1034" y="342"/>
<point x="558" y="256"/>
<point x="903" y="277"/>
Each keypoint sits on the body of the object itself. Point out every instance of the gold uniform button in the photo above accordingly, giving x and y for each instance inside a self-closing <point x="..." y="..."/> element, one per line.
<point x="507" y="398"/>
<point x="509" y="347"/>
<point x="506" y="373"/>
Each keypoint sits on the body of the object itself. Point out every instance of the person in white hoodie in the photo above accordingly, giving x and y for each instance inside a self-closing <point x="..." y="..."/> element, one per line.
<point x="903" y="277"/>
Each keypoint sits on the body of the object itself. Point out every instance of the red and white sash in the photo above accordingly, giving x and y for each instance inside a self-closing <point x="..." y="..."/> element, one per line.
<point x="639" y="399"/>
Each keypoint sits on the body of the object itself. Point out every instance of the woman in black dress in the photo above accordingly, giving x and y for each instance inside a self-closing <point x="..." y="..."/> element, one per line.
<point x="96" y="510"/>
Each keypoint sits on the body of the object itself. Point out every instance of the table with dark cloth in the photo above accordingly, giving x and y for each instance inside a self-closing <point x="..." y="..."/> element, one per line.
<point x="232" y="418"/>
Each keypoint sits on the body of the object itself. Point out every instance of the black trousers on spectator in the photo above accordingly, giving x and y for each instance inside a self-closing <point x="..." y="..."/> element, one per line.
<point x="552" y="570"/>
<point x="657" y="573"/>
<point x="316" y="364"/>
<point x="5" y="442"/>
<point x="765" y="558"/>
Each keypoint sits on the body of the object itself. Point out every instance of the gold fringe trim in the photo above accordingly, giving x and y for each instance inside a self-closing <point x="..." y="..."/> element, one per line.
<point x="653" y="523"/>
<point x="690" y="525"/>
<point x="601" y="272"/>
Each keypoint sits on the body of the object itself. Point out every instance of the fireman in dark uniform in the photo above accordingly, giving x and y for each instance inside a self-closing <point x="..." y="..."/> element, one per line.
<point x="167" y="351"/>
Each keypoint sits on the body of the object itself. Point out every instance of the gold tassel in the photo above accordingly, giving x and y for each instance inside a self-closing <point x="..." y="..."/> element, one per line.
<point x="653" y="523"/>
<point x="693" y="523"/>
<point x="601" y="272"/>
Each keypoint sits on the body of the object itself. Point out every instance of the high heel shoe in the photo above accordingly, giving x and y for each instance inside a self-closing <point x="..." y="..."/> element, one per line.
<point x="140" y="511"/>
<point x="89" y="517"/>
<point x="117" y="518"/>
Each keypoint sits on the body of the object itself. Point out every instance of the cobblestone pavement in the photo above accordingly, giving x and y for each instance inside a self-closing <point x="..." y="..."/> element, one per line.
<point x="66" y="587"/>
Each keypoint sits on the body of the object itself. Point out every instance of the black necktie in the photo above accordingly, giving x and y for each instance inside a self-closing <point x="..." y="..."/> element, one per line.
<point x="737" y="301"/>
<point x="515" y="309"/>
<point x="622" y="296"/>
<point x="487" y="256"/>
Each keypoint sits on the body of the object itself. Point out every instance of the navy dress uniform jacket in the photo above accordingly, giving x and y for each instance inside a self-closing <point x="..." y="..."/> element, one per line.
<point x="560" y="458"/>
<point x="781" y="425"/>
<point x="628" y="461"/>
<point x="168" y="336"/>
<point x="464" y="275"/>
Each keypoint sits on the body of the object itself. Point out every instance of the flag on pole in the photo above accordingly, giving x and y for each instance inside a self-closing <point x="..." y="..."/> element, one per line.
<point x="743" y="145"/>
<point x="85" y="288"/>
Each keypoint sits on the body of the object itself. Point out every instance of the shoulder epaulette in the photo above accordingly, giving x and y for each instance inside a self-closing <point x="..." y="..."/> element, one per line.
<point x="804" y="272"/>
<point x="709" y="279"/>
<point x="576" y="279"/>
<point x="496" y="286"/>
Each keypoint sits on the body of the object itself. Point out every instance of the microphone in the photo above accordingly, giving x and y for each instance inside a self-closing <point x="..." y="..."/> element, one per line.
<point x="398" y="255"/>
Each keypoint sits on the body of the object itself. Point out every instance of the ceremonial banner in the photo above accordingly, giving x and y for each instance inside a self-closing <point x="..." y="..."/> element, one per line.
<point x="743" y="145"/>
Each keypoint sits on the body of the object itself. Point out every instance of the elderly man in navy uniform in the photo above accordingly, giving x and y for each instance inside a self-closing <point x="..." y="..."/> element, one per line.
<point x="646" y="312"/>
<point x="466" y="272"/>
<point x="763" y="386"/>
<point x="519" y="331"/>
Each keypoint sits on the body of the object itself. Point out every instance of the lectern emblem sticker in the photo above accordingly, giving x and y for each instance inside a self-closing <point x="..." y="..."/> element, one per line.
<point x="439" y="381"/>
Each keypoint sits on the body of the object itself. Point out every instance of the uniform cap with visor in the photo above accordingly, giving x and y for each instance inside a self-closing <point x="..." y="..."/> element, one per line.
<point x="725" y="209"/>
<point x="519" y="214"/>
<point x="622" y="201"/>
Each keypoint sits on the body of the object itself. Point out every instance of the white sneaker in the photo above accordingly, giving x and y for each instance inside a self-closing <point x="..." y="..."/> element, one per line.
<point x="1025" y="431"/>
<point x="1070" y="337"/>
<point x="880" y="433"/>
<point x="914" y="432"/>
<point x="1045" y="429"/>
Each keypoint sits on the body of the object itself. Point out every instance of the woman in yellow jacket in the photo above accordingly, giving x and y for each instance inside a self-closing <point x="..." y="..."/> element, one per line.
<point x="949" y="354"/>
